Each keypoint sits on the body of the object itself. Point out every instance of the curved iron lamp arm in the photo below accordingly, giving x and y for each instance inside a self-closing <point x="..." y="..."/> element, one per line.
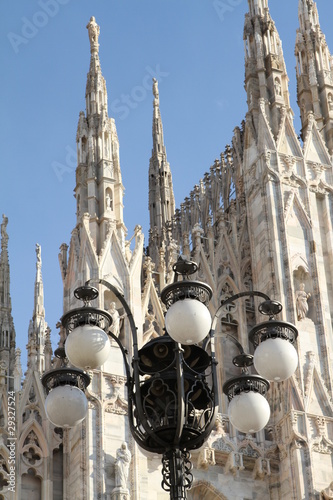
<point x="132" y="380"/>
<point x="121" y="298"/>
<point x="243" y="360"/>
<point x="229" y="300"/>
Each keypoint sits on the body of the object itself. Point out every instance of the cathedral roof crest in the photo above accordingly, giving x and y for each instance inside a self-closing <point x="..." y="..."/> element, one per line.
<point x="314" y="147"/>
<point x="295" y="201"/>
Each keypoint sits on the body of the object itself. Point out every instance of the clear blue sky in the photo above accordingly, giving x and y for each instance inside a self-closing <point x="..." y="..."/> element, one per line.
<point x="193" y="47"/>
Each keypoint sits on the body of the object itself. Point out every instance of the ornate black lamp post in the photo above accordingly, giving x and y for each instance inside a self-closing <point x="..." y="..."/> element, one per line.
<point x="172" y="380"/>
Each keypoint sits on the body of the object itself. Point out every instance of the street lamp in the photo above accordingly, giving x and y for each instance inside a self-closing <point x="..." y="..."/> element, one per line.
<point x="65" y="404"/>
<point x="172" y="380"/>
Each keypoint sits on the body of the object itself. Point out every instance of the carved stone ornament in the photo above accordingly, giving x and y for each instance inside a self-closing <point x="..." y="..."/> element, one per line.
<point x="290" y="163"/>
<point x="221" y="424"/>
<point x="119" y="407"/>
<point x="234" y="463"/>
<point x="322" y="445"/>
<point x="221" y="444"/>
<point x="120" y="494"/>
<point x="116" y="403"/>
<point x="31" y="456"/>
<point x="206" y="458"/>
<point x="327" y="493"/>
<point x="261" y="469"/>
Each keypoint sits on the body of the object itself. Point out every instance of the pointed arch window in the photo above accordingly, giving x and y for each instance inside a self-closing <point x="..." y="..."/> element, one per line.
<point x="4" y="474"/>
<point x="58" y="472"/>
<point x="31" y="486"/>
<point x="299" y="63"/>
<point x="78" y="206"/>
<point x="204" y="491"/>
<point x="107" y="145"/>
<point x="83" y="150"/>
<point x="326" y="59"/>
<point x="247" y="47"/>
<point x="318" y="64"/>
<point x="301" y="22"/>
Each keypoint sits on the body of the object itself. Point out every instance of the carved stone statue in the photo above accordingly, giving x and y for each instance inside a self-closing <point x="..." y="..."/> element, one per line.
<point x="277" y="86"/>
<point x="108" y="201"/>
<point x="4" y="235"/>
<point x="93" y="32"/>
<point x="115" y="327"/>
<point x="327" y="493"/>
<point x="330" y="101"/>
<point x="122" y="463"/>
<point x="302" y="306"/>
<point x="155" y="88"/>
<point x="38" y="254"/>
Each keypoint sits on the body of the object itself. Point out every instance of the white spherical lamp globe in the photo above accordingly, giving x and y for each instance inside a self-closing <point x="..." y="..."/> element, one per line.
<point x="188" y="321"/>
<point x="66" y="406"/>
<point x="275" y="359"/>
<point x="249" y="412"/>
<point x="87" y="347"/>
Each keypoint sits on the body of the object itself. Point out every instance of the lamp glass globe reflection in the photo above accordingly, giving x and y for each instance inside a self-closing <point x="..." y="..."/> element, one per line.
<point x="249" y="412"/>
<point x="66" y="406"/>
<point x="275" y="359"/>
<point x="188" y="321"/>
<point x="87" y="347"/>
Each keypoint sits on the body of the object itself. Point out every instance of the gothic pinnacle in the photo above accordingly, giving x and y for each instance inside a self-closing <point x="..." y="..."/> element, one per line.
<point x="99" y="189"/>
<point x="39" y="294"/>
<point x="258" y="8"/>
<point x="308" y="14"/>
<point x="161" y="197"/>
<point x="4" y="265"/>
<point x="314" y="72"/>
<point x="158" y="142"/>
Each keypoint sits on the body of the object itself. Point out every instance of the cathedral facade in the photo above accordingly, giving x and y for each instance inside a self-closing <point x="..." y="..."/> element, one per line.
<point x="260" y="219"/>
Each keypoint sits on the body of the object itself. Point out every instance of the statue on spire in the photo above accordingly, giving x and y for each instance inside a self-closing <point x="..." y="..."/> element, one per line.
<point x="155" y="90"/>
<point x="93" y="32"/>
<point x="38" y="255"/>
<point x="4" y="235"/>
<point x="155" y="87"/>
